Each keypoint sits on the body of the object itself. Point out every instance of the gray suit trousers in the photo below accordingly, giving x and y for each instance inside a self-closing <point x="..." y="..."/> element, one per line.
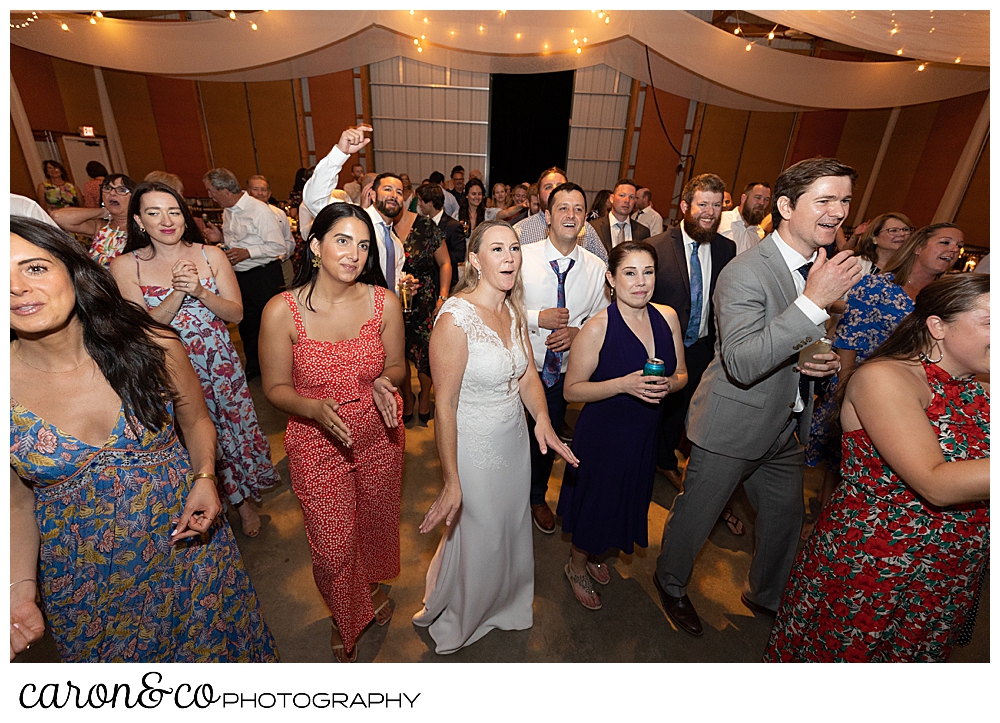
<point x="773" y="484"/>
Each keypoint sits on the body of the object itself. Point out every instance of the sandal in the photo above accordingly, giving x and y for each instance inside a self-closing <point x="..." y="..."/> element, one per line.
<point x="339" y="651"/>
<point x="384" y="619"/>
<point x="583" y="589"/>
<point x="733" y="522"/>
<point x="599" y="572"/>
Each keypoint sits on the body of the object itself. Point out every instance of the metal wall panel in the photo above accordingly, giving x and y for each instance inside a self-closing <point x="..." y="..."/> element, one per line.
<point x="428" y="117"/>
<point x="597" y="135"/>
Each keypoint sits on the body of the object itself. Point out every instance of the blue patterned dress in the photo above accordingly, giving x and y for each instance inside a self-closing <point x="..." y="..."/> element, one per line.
<point x="875" y="307"/>
<point x="113" y="587"/>
<point x="243" y="455"/>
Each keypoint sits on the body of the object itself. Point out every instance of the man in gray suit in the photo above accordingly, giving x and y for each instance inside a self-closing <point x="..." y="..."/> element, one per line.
<point x="754" y="398"/>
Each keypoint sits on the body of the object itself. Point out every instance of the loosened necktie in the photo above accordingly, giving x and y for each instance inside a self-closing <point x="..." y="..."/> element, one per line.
<point x="552" y="367"/>
<point x="390" y="258"/>
<point x="697" y="299"/>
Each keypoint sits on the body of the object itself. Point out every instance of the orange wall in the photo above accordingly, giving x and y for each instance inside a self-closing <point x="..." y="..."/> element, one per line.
<point x="973" y="215"/>
<point x="40" y="94"/>
<point x="655" y="161"/>
<point x="331" y="98"/>
<point x="273" y="110"/>
<point x="136" y="122"/>
<point x="179" y="130"/>
<point x="20" y="177"/>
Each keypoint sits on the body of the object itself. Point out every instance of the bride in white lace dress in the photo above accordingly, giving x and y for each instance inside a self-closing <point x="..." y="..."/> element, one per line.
<point x="482" y="575"/>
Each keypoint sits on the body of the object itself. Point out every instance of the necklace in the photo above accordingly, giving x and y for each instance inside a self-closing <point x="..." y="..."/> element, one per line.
<point x="47" y="371"/>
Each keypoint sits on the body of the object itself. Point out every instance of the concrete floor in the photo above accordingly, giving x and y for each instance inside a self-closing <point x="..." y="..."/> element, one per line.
<point x="631" y="627"/>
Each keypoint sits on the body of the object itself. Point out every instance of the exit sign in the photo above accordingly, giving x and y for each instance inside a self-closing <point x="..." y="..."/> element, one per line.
<point x="87" y="131"/>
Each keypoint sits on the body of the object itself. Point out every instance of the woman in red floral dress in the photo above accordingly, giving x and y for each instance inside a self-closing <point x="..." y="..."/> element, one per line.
<point x="334" y="361"/>
<point x="890" y="572"/>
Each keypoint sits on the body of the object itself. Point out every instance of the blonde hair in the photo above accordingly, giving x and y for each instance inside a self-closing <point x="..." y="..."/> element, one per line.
<point x="469" y="281"/>
<point x="167" y="179"/>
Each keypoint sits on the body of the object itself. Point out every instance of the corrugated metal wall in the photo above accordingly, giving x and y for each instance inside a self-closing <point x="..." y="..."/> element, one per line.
<point x="428" y="118"/>
<point x="597" y="135"/>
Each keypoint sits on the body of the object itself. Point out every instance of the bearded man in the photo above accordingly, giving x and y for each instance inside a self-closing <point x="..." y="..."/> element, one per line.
<point x="742" y="224"/>
<point x="690" y="259"/>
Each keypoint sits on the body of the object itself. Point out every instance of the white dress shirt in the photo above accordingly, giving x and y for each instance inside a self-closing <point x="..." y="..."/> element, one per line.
<point x="652" y="220"/>
<point x="316" y="192"/>
<point x="534" y="229"/>
<point x="380" y="227"/>
<point x="705" y="259"/>
<point x="794" y="260"/>
<point x="734" y="227"/>
<point x="620" y="230"/>
<point x="450" y="204"/>
<point x="286" y="231"/>
<point x="23" y="206"/>
<point x="584" y="289"/>
<point x="249" y="224"/>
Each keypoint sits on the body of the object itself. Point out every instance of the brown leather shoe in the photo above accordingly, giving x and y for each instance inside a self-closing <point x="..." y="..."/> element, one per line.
<point x="543" y="517"/>
<point x="679" y="609"/>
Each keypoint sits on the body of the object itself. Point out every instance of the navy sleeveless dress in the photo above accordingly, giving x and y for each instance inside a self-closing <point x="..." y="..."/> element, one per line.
<point x="604" y="502"/>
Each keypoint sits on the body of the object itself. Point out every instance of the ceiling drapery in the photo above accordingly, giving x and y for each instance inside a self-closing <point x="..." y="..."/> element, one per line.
<point x="688" y="56"/>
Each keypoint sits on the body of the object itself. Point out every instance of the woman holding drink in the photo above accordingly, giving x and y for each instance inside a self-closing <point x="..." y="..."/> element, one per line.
<point x="604" y="503"/>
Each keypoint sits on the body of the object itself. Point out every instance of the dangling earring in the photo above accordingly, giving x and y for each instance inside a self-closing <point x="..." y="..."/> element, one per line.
<point x="317" y="261"/>
<point x="479" y="271"/>
<point x="612" y="293"/>
<point x="925" y="358"/>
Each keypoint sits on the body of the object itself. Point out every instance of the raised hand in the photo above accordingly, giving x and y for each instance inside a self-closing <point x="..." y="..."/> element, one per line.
<point x="353" y="139"/>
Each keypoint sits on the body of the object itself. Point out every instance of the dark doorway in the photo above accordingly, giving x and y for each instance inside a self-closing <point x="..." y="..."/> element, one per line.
<point x="529" y="124"/>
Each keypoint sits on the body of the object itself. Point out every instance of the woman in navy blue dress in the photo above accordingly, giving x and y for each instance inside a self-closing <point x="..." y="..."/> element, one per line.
<point x="605" y="501"/>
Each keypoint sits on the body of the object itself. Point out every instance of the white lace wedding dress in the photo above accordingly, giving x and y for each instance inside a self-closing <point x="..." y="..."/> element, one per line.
<point x="483" y="573"/>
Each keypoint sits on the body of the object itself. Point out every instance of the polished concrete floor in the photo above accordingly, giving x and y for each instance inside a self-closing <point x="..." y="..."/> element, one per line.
<point x="631" y="627"/>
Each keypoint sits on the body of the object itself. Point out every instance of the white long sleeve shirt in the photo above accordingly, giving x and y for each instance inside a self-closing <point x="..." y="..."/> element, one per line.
<point x="249" y="224"/>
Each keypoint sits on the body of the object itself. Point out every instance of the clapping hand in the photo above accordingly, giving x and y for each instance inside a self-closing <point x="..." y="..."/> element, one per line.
<point x="384" y="394"/>
<point x="645" y="388"/>
<point x="325" y="412"/>
<point x="186" y="278"/>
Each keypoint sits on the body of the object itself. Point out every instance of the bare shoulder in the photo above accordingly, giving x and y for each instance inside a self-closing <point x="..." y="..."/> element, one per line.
<point x="667" y="312"/>
<point x="120" y="265"/>
<point x="391" y="302"/>
<point x="886" y="379"/>
<point x="596" y="326"/>
<point x="214" y="254"/>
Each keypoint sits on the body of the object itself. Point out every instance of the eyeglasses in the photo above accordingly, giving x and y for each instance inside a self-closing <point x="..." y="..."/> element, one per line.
<point x="120" y="190"/>
<point x="898" y="231"/>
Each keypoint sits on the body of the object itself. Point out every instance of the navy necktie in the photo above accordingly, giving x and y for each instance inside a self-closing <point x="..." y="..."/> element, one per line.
<point x="803" y="379"/>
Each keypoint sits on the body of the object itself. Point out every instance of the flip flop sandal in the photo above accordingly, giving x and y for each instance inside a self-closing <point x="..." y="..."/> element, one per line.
<point x="733" y="522"/>
<point x="335" y="646"/>
<point x="382" y="607"/>
<point x="581" y="583"/>
<point x="599" y="572"/>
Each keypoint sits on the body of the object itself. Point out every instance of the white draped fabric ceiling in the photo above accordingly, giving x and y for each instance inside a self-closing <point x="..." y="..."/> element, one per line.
<point x="688" y="56"/>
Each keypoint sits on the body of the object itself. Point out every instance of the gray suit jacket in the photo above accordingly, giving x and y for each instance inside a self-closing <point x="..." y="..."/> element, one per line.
<point x="748" y="392"/>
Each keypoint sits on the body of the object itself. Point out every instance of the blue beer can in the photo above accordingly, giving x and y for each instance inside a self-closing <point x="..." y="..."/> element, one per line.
<point x="654" y="368"/>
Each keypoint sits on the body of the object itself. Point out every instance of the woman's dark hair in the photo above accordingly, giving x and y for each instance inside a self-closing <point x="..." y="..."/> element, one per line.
<point x="600" y="201"/>
<point x="136" y="238"/>
<point x="118" y="334"/>
<point x="463" y="206"/>
<point x="619" y="252"/>
<point x="327" y="218"/>
<point x="96" y="169"/>
<point x="301" y="176"/>
<point x="55" y="164"/>
<point x="946" y="298"/>
<point x="110" y="179"/>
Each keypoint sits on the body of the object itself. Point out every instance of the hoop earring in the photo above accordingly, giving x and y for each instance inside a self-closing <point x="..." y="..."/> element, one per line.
<point x="924" y="358"/>
<point x="317" y="261"/>
<point x="143" y="229"/>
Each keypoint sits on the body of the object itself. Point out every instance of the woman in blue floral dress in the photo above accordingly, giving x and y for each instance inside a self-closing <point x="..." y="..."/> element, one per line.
<point x="875" y="307"/>
<point x="119" y="530"/>
<point x="193" y="288"/>
<point x="891" y="572"/>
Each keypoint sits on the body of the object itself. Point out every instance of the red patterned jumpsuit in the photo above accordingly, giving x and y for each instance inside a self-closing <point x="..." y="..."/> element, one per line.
<point x="349" y="496"/>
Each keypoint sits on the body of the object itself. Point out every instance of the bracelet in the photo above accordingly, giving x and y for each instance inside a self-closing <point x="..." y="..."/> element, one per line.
<point x="443" y="298"/>
<point x="27" y="579"/>
<point x="205" y="475"/>
<point x="388" y="380"/>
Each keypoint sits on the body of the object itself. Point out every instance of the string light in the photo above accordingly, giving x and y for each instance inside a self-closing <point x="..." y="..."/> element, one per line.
<point x="899" y="52"/>
<point x="893" y="31"/>
<point x="481" y="28"/>
<point x="64" y="26"/>
<point x="98" y="14"/>
<point x="27" y="21"/>
<point x="749" y="45"/>
<point x="607" y="19"/>
<point x="584" y="40"/>
<point x="518" y="36"/>
<point x="576" y="41"/>
<point x="423" y="37"/>
<point x="579" y="50"/>
<point x="921" y="66"/>
<point x="253" y="26"/>
<point x="232" y="14"/>
<point x="770" y="36"/>
<point x="419" y="49"/>
<point x="416" y="41"/>
<point x="93" y="20"/>
<point x="411" y="12"/>
<point x="737" y="31"/>
<point x="958" y="59"/>
<point x="426" y="20"/>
